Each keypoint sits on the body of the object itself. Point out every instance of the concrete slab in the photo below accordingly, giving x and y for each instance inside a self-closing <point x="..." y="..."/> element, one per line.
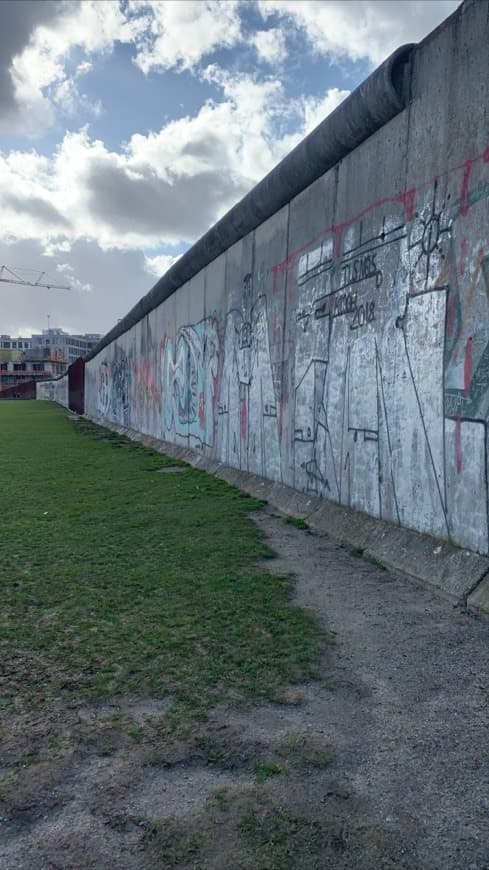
<point x="478" y="600"/>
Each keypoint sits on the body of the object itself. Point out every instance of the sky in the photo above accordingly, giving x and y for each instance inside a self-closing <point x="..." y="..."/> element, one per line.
<point x="128" y="128"/>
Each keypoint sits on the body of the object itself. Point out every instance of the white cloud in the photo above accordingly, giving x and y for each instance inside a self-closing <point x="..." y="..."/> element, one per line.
<point x="37" y="41"/>
<point x="360" y="29"/>
<point x="55" y="247"/>
<point x="89" y="208"/>
<point x="34" y="113"/>
<point x="164" y="188"/>
<point x="316" y="109"/>
<point x="181" y="34"/>
<point x="270" y="45"/>
<point x="160" y="264"/>
<point x="92" y="25"/>
<point x="36" y="62"/>
<point x="80" y="286"/>
<point x="67" y="96"/>
<point x="84" y="67"/>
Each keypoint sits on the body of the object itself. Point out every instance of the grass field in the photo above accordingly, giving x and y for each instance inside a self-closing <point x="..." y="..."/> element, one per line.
<point x="136" y="623"/>
<point x="164" y="703"/>
<point x="116" y="578"/>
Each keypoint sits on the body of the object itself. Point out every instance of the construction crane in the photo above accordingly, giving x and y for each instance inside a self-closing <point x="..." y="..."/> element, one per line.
<point x="10" y="275"/>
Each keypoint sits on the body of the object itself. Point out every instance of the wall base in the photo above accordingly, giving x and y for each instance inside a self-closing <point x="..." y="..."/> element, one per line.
<point x="459" y="575"/>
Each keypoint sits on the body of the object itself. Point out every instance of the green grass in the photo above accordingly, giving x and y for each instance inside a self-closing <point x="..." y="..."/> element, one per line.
<point x="297" y="522"/>
<point x="265" y="769"/>
<point x="359" y="553"/>
<point x="116" y="579"/>
<point x="244" y="828"/>
<point x="279" y="840"/>
<point x="176" y="845"/>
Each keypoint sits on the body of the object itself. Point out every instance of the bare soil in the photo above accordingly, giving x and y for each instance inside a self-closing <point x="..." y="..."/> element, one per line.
<point x="383" y="763"/>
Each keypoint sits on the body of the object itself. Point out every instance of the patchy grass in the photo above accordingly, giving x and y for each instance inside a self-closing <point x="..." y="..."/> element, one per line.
<point x="297" y="522"/>
<point x="220" y="799"/>
<point x="375" y="563"/>
<point x="244" y="829"/>
<point x="118" y="580"/>
<point x="360" y="553"/>
<point x="357" y="552"/>
<point x="266" y="769"/>
<point x="173" y="842"/>
<point x="303" y="753"/>
<point x="280" y="839"/>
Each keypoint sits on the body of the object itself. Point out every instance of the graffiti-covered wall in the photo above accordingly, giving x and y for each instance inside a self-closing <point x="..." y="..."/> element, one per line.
<point x="342" y="347"/>
<point x="55" y="390"/>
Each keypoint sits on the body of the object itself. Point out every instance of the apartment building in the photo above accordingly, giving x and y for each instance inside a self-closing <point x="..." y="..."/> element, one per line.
<point x="41" y="356"/>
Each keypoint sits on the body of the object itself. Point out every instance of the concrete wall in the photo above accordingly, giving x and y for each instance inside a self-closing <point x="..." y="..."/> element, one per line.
<point x="54" y="391"/>
<point x="24" y="390"/>
<point x="343" y="346"/>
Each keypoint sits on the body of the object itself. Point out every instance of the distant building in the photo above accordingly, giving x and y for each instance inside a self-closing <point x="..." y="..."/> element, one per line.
<point x="8" y="343"/>
<point x="18" y="366"/>
<point x="41" y="356"/>
<point x="71" y="346"/>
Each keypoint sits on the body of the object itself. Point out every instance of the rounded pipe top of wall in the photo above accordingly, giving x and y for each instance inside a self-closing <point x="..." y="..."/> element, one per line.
<point x="378" y="99"/>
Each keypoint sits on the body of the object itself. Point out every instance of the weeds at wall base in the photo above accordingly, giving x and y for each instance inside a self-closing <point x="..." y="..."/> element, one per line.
<point x="297" y="522"/>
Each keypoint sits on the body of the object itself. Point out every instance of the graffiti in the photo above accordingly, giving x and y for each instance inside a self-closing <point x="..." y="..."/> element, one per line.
<point x="113" y="385"/>
<point x="359" y="269"/>
<point x="429" y="235"/>
<point x="145" y="383"/>
<point x="247" y="411"/>
<point x="103" y="390"/>
<point x="146" y="392"/>
<point x="467" y="348"/>
<point x="120" y="387"/>
<point x="357" y="369"/>
<point x="392" y="363"/>
<point x="363" y="314"/>
<point x="189" y="376"/>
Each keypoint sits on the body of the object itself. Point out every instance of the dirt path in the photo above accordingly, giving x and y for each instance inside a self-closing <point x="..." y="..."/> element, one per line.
<point x="409" y="717"/>
<point x="382" y="764"/>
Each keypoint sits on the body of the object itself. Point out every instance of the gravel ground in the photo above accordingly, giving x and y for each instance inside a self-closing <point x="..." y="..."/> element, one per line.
<point x="409" y="717"/>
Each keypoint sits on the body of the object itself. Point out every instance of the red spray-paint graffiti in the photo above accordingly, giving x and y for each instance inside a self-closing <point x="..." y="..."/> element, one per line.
<point x="406" y="198"/>
<point x="451" y="311"/>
